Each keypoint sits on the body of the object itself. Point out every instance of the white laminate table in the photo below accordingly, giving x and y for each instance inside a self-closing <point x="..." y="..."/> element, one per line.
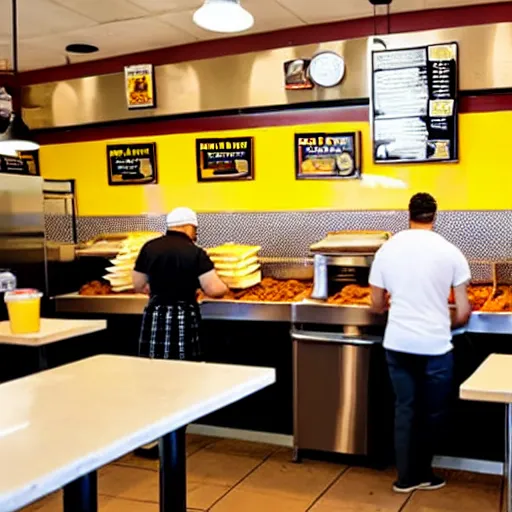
<point x="492" y="382"/>
<point x="52" y="330"/>
<point x="58" y="427"/>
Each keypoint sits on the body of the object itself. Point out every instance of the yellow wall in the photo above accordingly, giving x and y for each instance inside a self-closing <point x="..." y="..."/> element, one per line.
<point x="482" y="179"/>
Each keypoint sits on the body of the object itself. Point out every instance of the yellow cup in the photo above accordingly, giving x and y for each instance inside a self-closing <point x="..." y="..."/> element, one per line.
<point x="24" y="308"/>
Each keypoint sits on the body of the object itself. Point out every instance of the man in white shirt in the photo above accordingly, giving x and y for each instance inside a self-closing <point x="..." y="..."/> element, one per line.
<point x="418" y="268"/>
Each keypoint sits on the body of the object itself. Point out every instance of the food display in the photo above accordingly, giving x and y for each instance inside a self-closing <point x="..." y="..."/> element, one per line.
<point x="500" y="301"/>
<point x="96" y="288"/>
<point x="352" y="295"/>
<point x="120" y="274"/>
<point x="478" y="296"/>
<point x="237" y="265"/>
<point x="272" y="290"/>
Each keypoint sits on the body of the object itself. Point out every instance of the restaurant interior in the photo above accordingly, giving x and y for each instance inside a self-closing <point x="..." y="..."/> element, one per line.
<point x="298" y="131"/>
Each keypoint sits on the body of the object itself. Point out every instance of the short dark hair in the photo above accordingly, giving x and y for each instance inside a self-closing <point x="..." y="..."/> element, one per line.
<point x="422" y="208"/>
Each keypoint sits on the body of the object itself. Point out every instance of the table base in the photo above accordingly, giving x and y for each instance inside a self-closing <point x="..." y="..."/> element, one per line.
<point x="506" y="502"/>
<point x="81" y="495"/>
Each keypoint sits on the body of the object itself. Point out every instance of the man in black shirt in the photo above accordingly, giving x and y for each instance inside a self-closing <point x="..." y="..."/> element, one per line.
<point x="171" y="269"/>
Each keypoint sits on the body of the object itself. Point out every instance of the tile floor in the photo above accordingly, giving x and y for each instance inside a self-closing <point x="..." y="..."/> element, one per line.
<point x="235" y="476"/>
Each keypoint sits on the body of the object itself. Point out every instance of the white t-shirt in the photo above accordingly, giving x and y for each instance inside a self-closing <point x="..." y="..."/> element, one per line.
<point x="418" y="268"/>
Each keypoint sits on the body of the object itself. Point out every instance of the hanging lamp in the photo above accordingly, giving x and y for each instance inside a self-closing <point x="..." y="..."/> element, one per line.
<point x="225" y="16"/>
<point x="17" y="135"/>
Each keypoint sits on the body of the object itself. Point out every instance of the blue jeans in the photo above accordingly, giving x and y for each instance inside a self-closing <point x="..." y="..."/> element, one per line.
<point x="423" y="387"/>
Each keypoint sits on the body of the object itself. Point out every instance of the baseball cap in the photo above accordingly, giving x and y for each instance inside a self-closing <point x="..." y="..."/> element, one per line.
<point x="181" y="217"/>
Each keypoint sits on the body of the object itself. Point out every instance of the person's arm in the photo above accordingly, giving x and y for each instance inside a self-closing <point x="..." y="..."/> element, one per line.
<point x="462" y="311"/>
<point x="140" y="277"/>
<point x="210" y="282"/>
<point x="212" y="285"/>
<point x="379" y="300"/>
<point x="140" y="282"/>
<point x="379" y="296"/>
<point x="461" y="278"/>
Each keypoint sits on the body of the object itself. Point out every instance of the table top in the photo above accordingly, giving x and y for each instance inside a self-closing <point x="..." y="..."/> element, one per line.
<point x="52" y="330"/>
<point x="492" y="381"/>
<point x="61" y="424"/>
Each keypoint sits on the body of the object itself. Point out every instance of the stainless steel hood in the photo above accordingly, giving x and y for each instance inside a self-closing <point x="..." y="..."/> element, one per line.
<point x="255" y="80"/>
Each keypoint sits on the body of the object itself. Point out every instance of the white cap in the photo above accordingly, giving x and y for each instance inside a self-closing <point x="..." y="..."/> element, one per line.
<point x="181" y="217"/>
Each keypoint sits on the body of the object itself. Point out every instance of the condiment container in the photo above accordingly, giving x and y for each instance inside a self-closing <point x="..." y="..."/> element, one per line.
<point x="24" y="308"/>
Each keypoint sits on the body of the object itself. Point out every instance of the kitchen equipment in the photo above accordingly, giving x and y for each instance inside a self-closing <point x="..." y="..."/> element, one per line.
<point x="339" y="371"/>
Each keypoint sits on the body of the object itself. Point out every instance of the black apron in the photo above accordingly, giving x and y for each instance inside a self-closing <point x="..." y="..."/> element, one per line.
<point x="170" y="331"/>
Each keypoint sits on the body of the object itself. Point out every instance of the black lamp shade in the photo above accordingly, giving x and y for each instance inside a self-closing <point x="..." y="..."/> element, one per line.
<point x="17" y="136"/>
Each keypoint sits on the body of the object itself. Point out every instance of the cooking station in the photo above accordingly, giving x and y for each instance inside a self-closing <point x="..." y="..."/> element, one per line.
<point x="323" y="342"/>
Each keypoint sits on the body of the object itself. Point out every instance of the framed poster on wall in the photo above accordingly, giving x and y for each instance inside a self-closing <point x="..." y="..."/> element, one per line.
<point x="328" y="155"/>
<point x="139" y="83"/>
<point x="132" y="164"/>
<point x="27" y="163"/>
<point x="226" y="159"/>
<point x="414" y="104"/>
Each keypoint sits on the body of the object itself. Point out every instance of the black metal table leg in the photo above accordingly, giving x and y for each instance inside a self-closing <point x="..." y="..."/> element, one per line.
<point x="173" y="472"/>
<point x="82" y="495"/>
<point x="42" y="358"/>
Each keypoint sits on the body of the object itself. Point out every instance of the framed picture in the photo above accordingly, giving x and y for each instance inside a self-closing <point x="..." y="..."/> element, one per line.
<point x="132" y="164"/>
<point x="225" y="159"/>
<point x="31" y="160"/>
<point x="139" y="85"/>
<point x="328" y="155"/>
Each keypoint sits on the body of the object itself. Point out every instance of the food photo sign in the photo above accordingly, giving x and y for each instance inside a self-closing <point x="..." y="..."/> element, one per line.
<point x="132" y="164"/>
<point x="139" y="86"/>
<point x="225" y="159"/>
<point x="328" y="155"/>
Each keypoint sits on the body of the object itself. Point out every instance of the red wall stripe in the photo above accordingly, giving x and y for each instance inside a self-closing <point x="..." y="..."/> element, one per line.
<point x="403" y="22"/>
<point x="489" y="103"/>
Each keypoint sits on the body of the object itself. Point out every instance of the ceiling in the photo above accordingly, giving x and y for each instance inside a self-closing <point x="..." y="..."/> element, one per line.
<point x="126" y="26"/>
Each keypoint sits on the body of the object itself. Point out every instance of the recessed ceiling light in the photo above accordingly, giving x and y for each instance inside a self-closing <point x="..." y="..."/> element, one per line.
<point x="81" y="48"/>
<point x="225" y="16"/>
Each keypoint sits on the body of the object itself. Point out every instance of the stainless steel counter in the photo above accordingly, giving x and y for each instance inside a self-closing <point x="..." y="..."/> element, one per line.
<point x="314" y="313"/>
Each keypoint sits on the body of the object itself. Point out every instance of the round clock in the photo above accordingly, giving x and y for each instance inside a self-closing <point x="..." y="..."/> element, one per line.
<point x="327" y="69"/>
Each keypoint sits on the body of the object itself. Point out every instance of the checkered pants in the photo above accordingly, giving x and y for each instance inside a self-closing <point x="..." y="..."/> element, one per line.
<point x="170" y="331"/>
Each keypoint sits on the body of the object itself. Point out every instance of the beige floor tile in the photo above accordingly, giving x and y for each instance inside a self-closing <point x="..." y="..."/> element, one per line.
<point x="202" y="495"/>
<point x="280" y="478"/>
<point x="194" y="444"/>
<point x="362" y="490"/>
<point x="250" y="501"/>
<point x="129" y="483"/>
<point x="108" y="504"/>
<point x="457" y="497"/>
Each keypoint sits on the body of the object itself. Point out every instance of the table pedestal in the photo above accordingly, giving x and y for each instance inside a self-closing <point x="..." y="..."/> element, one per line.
<point x="173" y="472"/>
<point x="81" y="495"/>
<point x="506" y="505"/>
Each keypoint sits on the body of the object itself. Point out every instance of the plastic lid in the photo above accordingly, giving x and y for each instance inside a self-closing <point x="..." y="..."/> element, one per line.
<point x="22" y="294"/>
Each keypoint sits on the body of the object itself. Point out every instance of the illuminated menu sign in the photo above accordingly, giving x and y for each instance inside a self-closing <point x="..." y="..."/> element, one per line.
<point x="327" y="155"/>
<point x="132" y="164"/>
<point x="415" y="104"/>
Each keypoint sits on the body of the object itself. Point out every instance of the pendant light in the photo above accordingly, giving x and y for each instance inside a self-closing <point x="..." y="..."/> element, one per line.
<point x="17" y="135"/>
<point x="226" y="16"/>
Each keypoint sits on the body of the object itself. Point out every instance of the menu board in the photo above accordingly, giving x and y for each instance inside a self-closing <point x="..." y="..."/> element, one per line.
<point x="327" y="155"/>
<point x="414" y="104"/>
<point x="132" y="164"/>
<point x="26" y="163"/>
<point x="139" y="86"/>
<point x="225" y="159"/>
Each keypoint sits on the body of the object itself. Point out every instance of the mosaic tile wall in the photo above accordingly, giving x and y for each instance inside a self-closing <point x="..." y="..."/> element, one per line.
<point x="481" y="235"/>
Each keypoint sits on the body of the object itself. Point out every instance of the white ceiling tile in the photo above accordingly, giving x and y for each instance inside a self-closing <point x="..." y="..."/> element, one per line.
<point x="322" y="11"/>
<point x="119" y="38"/>
<point x="104" y="11"/>
<point x="268" y="15"/>
<point x="161" y="6"/>
<point x="41" y="17"/>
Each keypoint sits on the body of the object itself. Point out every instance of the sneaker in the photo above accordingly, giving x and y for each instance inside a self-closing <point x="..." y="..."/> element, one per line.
<point x="148" y="453"/>
<point x="434" y="483"/>
<point x="407" y="489"/>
